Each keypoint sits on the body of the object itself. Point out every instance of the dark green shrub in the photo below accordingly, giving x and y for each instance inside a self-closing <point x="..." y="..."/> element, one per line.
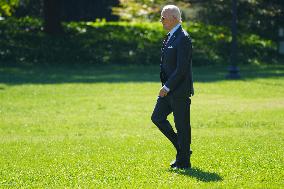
<point x="22" y="41"/>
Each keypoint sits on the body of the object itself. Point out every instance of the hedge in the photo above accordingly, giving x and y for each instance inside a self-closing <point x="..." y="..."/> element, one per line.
<point x="23" y="42"/>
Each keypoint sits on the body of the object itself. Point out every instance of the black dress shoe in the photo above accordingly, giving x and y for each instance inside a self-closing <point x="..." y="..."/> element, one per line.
<point x="174" y="163"/>
<point x="180" y="165"/>
<point x="183" y="165"/>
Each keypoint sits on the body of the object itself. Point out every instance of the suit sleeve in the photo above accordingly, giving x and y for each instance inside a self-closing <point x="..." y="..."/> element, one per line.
<point x="183" y="58"/>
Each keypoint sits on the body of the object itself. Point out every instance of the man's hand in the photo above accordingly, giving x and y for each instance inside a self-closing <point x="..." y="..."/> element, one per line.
<point x="163" y="92"/>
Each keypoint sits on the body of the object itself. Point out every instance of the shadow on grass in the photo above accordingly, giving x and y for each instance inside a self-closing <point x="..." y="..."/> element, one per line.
<point x="199" y="174"/>
<point x="121" y="73"/>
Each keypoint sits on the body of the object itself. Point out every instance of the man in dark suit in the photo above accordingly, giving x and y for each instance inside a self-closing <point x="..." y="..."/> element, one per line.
<point x="177" y="86"/>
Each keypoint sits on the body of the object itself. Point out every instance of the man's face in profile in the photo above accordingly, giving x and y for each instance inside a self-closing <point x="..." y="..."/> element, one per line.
<point x="167" y="20"/>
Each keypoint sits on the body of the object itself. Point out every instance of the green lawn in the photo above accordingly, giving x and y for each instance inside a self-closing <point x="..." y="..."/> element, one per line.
<point x="91" y="128"/>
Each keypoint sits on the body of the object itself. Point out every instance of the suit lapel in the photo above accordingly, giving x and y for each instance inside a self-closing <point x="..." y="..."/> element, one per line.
<point x="173" y="38"/>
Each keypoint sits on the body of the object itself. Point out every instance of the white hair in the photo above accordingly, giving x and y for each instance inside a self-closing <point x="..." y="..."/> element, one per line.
<point x="174" y="10"/>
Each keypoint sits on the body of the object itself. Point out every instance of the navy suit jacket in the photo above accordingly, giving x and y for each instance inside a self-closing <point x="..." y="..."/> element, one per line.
<point x="176" y="64"/>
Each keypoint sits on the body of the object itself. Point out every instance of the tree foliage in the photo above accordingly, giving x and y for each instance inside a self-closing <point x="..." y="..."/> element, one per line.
<point x="88" y="10"/>
<point x="7" y="7"/>
<point x="33" y="8"/>
<point x="255" y="16"/>
<point x="144" y="10"/>
<point x="71" y="10"/>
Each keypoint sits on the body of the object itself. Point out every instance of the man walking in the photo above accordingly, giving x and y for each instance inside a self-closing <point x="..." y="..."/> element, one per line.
<point x="177" y="86"/>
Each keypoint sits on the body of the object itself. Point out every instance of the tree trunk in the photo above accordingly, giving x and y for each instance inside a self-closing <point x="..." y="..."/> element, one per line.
<point x="52" y="17"/>
<point x="233" y="69"/>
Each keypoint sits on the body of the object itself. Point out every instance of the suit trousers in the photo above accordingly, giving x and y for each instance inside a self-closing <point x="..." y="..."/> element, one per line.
<point x="180" y="107"/>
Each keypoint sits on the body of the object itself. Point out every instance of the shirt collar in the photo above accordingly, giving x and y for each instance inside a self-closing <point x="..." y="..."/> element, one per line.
<point x="174" y="29"/>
